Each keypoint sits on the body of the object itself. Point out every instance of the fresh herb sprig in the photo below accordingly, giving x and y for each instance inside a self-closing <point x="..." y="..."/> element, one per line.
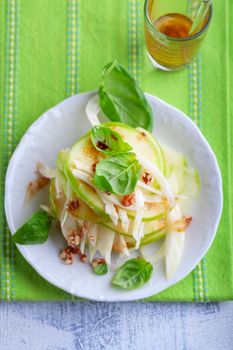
<point x="117" y="174"/>
<point x="121" y="99"/>
<point x="133" y="274"/>
<point x="35" y="230"/>
<point x="108" y="141"/>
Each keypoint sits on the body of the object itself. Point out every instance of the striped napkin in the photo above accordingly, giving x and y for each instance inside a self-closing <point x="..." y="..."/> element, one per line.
<point x="53" y="49"/>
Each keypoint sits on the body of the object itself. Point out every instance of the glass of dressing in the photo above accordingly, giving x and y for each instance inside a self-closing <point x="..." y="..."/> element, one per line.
<point x="174" y="31"/>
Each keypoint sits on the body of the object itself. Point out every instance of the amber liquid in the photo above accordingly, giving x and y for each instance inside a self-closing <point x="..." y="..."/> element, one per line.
<point x="172" y="54"/>
<point x="174" y="24"/>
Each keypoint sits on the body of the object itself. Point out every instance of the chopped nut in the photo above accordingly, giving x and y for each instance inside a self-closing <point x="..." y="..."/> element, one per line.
<point x="75" y="250"/>
<point x="84" y="258"/>
<point x="98" y="261"/>
<point x="73" y="238"/>
<point x="73" y="205"/>
<point x="188" y="219"/>
<point x="67" y="256"/>
<point x="73" y="241"/>
<point x="147" y="177"/>
<point x="63" y="255"/>
<point x="128" y="199"/>
<point x="69" y="261"/>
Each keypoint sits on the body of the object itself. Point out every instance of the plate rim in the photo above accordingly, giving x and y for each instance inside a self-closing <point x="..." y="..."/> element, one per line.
<point x="122" y="297"/>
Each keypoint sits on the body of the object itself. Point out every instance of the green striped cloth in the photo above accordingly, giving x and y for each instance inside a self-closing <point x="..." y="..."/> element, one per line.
<point x="51" y="49"/>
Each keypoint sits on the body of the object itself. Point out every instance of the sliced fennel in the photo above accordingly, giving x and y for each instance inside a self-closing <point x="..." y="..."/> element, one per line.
<point x="125" y="222"/>
<point x="174" y="244"/>
<point x="67" y="225"/>
<point x="45" y="171"/>
<point x="92" y="110"/>
<point x="160" y="178"/>
<point x="138" y="225"/>
<point x="92" y="240"/>
<point x="105" y="242"/>
<point x="153" y="257"/>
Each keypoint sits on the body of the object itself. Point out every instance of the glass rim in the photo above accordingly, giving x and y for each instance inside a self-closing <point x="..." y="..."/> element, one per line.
<point x="164" y="36"/>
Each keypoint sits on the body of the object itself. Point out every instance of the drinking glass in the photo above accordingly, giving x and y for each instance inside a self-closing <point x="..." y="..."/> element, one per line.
<point x="165" y="50"/>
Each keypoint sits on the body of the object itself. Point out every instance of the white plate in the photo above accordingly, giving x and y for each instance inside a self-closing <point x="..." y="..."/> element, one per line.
<point x="59" y="128"/>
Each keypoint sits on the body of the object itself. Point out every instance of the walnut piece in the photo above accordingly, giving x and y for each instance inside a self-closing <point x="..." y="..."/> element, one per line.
<point x="73" y="205"/>
<point x="128" y="199"/>
<point x="147" y="177"/>
<point x="98" y="261"/>
<point x="83" y="258"/>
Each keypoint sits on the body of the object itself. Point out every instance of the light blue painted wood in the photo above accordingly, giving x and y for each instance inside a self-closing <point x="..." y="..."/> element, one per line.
<point x="126" y="326"/>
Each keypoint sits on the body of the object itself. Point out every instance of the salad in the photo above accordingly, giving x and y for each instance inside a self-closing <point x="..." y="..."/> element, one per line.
<point x="117" y="190"/>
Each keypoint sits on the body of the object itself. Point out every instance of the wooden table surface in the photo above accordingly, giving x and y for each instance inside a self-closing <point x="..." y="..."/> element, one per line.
<point x="99" y="326"/>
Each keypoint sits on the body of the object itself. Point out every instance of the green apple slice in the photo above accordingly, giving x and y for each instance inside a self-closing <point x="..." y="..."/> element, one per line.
<point x="81" y="212"/>
<point x="150" y="228"/>
<point x="153" y="237"/>
<point x="85" y="156"/>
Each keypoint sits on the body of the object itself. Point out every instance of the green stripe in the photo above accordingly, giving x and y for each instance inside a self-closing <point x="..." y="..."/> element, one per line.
<point x="77" y="45"/>
<point x="200" y="284"/>
<point x="228" y="10"/>
<point x="73" y="47"/>
<point x="134" y="38"/>
<point x="15" y="124"/>
<point x="3" y="141"/>
<point x="8" y="137"/>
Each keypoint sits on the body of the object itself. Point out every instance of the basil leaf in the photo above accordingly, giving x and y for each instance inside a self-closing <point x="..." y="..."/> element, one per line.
<point x="35" y="230"/>
<point x="121" y="99"/>
<point x="133" y="274"/>
<point x="117" y="174"/>
<point x="108" y="141"/>
<point x="101" y="269"/>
